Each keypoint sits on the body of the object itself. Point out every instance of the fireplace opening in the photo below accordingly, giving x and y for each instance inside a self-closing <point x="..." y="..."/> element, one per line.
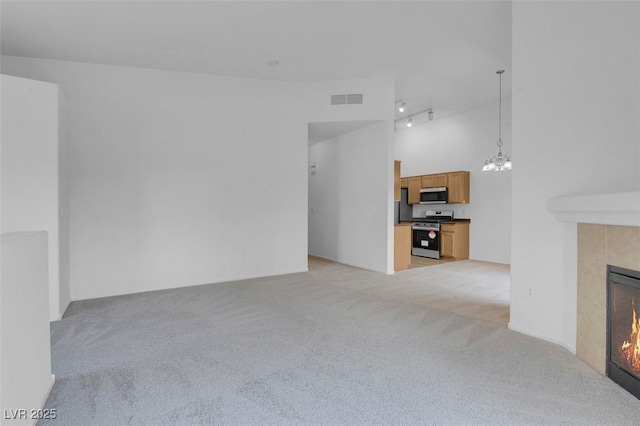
<point x="623" y="328"/>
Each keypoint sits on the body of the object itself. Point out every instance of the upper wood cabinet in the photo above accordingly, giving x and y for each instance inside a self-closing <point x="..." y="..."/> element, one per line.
<point x="435" y="181"/>
<point x="415" y="184"/>
<point x="396" y="181"/>
<point x="458" y="186"/>
<point x="427" y="181"/>
<point x="440" y="181"/>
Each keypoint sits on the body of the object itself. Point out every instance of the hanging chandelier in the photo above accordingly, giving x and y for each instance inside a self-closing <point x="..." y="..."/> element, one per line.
<point x="499" y="162"/>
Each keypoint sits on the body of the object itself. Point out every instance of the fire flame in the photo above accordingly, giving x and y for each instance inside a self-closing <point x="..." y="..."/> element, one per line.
<point x="630" y="349"/>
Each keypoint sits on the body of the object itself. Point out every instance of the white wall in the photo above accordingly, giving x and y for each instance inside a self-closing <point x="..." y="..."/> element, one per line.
<point x="348" y="198"/>
<point x="34" y="173"/>
<point x="575" y="114"/>
<point x="179" y="179"/>
<point x="463" y="142"/>
<point x="25" y="346"/>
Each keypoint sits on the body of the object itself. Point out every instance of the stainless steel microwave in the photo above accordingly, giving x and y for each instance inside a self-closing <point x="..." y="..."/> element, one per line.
<point x="433" y="195"/>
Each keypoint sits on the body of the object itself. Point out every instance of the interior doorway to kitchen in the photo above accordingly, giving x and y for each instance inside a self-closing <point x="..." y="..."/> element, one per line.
<point x="349" y="203"/>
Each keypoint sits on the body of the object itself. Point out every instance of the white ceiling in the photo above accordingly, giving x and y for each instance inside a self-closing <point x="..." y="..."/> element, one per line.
<point x="443" y="55"/>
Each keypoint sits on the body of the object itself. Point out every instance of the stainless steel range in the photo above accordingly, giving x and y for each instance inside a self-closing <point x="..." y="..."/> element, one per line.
<point x="426" y="233"/>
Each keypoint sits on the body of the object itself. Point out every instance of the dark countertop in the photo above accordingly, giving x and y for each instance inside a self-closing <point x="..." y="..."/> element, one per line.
<point x="461" y="220"/>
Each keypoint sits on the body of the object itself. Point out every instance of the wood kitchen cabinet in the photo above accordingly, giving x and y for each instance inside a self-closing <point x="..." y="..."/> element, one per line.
<point x="427" y="181"/>
<point x="402" y="247"/>
<point x="414" y="185"/>
<point x="440" y="181"/>
<point x="396" y="180"/>
<point x="435" y="181"/>
<point x="457" y="184"/>
<point x="458" y="187"/>
<point x="454" y="240"/>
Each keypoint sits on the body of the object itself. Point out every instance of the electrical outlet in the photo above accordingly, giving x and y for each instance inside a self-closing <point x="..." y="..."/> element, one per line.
<point x="529" y="292"/>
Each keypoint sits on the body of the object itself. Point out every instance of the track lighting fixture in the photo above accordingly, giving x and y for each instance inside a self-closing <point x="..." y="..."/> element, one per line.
<point x="408" y="120"/>
<point x="400" y="106"/>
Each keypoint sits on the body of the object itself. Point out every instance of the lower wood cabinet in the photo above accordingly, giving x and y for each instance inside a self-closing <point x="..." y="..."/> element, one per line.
<point x="446" y="244"/>
<point x="454" y="240"/>
<point x="402" y="247"/>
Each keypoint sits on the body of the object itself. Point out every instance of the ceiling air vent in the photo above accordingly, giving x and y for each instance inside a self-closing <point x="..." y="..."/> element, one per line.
<point x="352" y="98"/>
<point x="338" y="99"/>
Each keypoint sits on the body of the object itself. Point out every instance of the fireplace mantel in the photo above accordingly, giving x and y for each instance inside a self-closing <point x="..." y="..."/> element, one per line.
<point x="622" y="208"/>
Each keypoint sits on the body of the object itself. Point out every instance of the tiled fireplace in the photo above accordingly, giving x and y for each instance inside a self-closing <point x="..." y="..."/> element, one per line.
<point x="599" y="246"/>
<point x="608" y="277"/>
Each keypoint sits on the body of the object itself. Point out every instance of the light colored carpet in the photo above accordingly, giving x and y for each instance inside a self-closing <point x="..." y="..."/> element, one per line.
<point x="313" y="348"/>
<point x="471" y="288"/>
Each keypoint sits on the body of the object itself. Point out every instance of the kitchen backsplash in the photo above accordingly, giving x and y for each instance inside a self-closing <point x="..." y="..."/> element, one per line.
<point x="459" y="211"/>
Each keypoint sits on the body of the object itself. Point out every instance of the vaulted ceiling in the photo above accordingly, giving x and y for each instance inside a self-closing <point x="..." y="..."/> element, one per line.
<point x="442" y="54"/>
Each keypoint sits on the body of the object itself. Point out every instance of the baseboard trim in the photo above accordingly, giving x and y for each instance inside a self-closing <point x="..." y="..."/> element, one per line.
<point x="220" y="281"/>
<point x="64" y="311"/>
<point x="565" y="345"/>
<point x="45" y="397"/>
<point x="568" y="347"/>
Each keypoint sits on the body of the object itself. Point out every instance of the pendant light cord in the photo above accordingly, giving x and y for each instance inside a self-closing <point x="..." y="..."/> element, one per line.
<point x="500" y="110"/>
<point x="500" y="113"/>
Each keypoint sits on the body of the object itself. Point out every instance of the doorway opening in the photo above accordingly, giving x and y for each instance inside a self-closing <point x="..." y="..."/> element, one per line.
<point x="349" y="192"/>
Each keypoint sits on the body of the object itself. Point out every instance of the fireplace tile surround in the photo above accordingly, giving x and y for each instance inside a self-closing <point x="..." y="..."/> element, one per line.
<point x="608" y="232"/>
<point x="599" y="245"/>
